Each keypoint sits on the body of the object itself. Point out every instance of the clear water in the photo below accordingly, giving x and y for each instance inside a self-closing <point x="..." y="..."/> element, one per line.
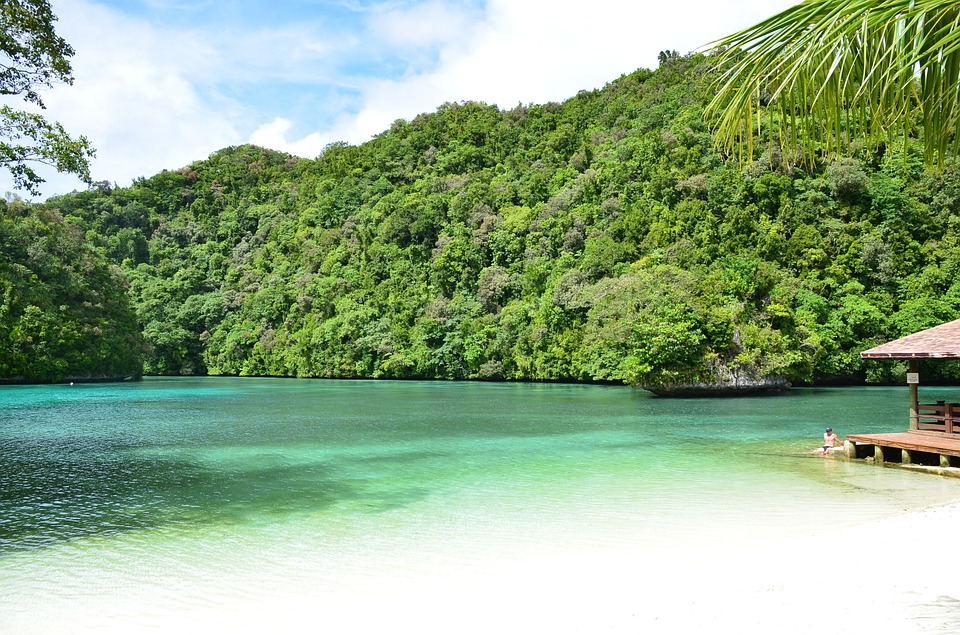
<point x="129" y="504"/>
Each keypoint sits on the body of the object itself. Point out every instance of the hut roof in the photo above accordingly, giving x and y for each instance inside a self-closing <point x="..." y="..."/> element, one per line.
<point x="938" y="342"/>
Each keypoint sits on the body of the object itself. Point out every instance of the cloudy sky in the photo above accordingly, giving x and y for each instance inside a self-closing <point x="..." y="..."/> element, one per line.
<point x="162" y="83"/>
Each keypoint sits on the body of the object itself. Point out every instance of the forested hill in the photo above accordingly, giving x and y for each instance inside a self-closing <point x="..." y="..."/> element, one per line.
<point x="64" y="311"/>
<point x="601" y="239"/>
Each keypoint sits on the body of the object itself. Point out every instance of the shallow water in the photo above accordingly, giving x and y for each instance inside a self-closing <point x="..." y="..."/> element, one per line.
<point x="130" y="503"/>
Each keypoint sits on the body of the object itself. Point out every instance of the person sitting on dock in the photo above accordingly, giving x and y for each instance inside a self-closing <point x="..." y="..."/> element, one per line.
<point x="829" y="438"/>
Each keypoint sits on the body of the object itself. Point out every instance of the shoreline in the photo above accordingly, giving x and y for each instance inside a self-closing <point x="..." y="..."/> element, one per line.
<point x="826" y="581"/>
<point x="831" y="580"/>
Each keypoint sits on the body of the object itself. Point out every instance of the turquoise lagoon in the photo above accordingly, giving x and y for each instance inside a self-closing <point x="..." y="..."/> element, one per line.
<point x="191" y="503"/>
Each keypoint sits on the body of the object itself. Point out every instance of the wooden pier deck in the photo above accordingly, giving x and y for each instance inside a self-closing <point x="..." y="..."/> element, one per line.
<point x="919" y="447"/>
<point x="934" y="435"/>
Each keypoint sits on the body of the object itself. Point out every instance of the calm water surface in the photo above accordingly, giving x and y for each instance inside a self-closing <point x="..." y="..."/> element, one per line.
<point x="237" y="488"/>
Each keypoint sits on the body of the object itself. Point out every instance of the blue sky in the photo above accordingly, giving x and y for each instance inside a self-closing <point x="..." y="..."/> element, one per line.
<point x="162" y="83"/>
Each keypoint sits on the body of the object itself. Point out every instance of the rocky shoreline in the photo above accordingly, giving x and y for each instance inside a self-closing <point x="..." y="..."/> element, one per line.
<point x="771" y="386"/>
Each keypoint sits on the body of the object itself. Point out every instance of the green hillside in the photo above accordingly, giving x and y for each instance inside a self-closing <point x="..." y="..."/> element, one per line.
<point x="64" y="311"/>
<point x="601" y="239"/>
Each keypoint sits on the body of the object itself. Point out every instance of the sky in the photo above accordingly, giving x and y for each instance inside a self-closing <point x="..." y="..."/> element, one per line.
<point x="159" y="84"/>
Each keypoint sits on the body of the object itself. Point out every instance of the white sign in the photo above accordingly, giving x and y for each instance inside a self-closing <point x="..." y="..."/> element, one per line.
<point x="913" y="378"/>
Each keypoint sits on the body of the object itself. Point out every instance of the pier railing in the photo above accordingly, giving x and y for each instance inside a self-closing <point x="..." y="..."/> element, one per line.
<point x="939" y="417"/>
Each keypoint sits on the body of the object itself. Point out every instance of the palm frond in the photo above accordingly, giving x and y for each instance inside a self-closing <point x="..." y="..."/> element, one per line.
<point x="838" y="71"/>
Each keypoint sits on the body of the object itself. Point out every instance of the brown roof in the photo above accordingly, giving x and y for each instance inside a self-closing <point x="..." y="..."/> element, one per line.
<point x="939" y="342"/>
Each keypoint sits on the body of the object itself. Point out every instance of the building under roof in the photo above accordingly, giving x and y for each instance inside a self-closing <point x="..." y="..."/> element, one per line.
<point x="939" y="342"/>
<point x="933" y="437"/>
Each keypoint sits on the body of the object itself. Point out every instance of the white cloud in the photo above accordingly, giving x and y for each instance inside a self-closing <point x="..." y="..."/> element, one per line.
<point x="275" y="135"/>
<point x="548" y="50"/>
<point x="136" y="95"/>
<point x="151" y="97"/>
<point x="422" y="25"/>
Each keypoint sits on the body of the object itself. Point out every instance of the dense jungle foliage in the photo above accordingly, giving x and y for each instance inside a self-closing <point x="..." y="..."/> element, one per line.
<point x="602" y="239"/>
<point x="64" y="311"/>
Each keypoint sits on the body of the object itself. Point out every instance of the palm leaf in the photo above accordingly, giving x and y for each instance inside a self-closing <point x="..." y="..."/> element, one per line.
<point x="836" y="71"/>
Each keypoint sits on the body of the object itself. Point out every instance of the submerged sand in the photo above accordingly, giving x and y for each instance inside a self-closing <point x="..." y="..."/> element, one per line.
<point x="896" y="575"/>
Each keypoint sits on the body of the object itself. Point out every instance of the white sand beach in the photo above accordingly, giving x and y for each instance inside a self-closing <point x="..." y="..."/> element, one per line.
<point x="896" y="575"/>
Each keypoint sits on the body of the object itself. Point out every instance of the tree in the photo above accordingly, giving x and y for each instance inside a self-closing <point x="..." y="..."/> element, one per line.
<point x="64" y="310"/>
<point x="34" y="57"/>
<point x="840" y="71"/>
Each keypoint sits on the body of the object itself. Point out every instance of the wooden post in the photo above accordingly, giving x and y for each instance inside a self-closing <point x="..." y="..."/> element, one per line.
<point x="878" y="454"/>
<point x="914" y="396"/>
<point x="905" y="457"/>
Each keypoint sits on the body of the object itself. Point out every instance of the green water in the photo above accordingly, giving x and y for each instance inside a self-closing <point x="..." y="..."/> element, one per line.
<point x="236" y="487"/>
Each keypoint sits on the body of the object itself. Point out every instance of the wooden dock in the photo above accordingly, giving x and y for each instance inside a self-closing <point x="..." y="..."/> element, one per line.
<point x="933" y="439"/>
<point x="916" y="447"/>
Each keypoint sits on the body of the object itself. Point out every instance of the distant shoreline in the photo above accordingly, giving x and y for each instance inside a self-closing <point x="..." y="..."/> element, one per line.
<point x="673" y="392"/>
<point x="15" y="381"/>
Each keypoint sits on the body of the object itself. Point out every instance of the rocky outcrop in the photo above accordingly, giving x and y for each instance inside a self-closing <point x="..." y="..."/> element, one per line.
<point x="726" y="383"/>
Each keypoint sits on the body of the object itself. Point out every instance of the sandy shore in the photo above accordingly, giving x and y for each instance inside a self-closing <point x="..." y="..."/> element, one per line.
<point x="846" y="580"/>
<point x="850" y="579"/>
